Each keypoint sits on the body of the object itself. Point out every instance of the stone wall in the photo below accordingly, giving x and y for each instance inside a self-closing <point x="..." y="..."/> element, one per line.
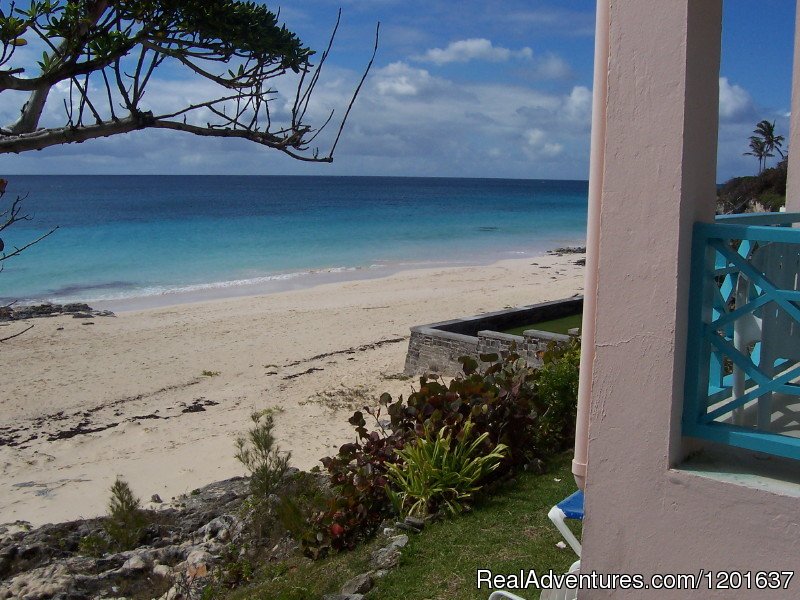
<point x="435" y="348"/>
<point x="435" y="351"/>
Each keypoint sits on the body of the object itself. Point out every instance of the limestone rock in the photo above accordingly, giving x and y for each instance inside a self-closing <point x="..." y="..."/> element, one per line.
<point x="398" y="541"/>
<point x="360" y="584"/>
<point x="134" y="563"/>
<point x="385" y="558"/>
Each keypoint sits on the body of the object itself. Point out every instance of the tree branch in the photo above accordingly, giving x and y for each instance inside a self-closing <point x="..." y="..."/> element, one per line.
<point x="45" y="138"/>
<point x="11" y="337"/>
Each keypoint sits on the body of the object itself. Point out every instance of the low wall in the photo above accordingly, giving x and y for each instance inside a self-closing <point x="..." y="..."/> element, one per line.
<point x="435" y="348"/>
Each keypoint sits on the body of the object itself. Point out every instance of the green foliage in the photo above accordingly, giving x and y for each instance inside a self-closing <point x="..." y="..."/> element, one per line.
<point x="358" y="475"/>
<point x="234" y="569"/>
<point x="557" y="397"/>
<point x="506" y="406"/>
<point x="261" y="456"/>
<point x="126" y="521"/>
<point x="302" y="497"/>
<point x="499" y="401"/>
<point x="438" y="472"/>
<point x="93" y="545"/>
<point x="267" y="464"/>
<point x="772" y="202"/>
<point x="768" y="188"/>
<point x="207" y="373"/>
<point x="222" y="28"/>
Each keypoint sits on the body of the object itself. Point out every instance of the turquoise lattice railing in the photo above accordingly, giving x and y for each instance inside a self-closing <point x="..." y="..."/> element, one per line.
<point x="743" y="347"/>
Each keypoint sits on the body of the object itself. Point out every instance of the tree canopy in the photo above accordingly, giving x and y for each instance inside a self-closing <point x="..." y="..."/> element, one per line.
<point x="100" y="56"/>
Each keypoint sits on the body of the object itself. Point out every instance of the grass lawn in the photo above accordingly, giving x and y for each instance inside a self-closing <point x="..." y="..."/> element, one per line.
<point x="506" y="532"/>
<point x="562" y="325"/>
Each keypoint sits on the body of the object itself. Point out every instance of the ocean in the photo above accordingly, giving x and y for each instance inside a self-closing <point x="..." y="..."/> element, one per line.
<point x="133" y="241"/>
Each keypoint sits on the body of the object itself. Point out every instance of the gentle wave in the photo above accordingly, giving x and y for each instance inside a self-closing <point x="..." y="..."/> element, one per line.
<point x="131" y="291"/>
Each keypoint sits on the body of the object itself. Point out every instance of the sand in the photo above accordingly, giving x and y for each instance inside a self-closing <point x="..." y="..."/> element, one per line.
<point x="126" y="396"/>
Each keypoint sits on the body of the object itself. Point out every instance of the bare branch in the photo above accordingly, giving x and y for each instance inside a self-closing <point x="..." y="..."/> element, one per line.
<point x="10" y="337"/>
<point x="6" y="256"/>
<point x="358" y="89"/>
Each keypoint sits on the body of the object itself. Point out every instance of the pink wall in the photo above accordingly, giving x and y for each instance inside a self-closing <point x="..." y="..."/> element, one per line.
<point x="660" y="163"/>
<point x="793" y="183"/>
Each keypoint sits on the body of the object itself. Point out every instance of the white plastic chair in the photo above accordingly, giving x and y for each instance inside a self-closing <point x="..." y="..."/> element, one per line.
<point x="777" y="331"/>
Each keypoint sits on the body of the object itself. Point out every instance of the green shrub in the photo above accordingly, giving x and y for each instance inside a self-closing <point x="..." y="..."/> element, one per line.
<point x="302" y="497"/>
<point x="772" y="202"/>
<point x="261" y="456"/>
<point x="93" y="545"/>
<point x="557" y="398"/>
<point x="499" y="401"/>
<point x="438" y="472"/>
<point x="528" y="412"/>
<point x="126" y="521"/>
<point x="358" y="474"/>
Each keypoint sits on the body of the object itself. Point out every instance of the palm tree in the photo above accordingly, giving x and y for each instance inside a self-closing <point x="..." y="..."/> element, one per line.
<point x="758" y="148"/>
<point x="766" y="130"/>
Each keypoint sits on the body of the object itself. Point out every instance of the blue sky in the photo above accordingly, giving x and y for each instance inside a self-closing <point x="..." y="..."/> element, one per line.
<point x="458" y="89"/>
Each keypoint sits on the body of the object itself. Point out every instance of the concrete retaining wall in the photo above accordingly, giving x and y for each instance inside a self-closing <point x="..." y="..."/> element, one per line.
<point x="435" y="348"/>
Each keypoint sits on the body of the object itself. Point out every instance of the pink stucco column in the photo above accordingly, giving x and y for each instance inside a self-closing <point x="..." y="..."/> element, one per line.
<point x="793" y="182"/>
<point x="659" y="178"/>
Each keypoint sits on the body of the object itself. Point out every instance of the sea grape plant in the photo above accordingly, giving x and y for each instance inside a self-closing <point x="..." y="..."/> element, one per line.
<point x="516" y="413"/>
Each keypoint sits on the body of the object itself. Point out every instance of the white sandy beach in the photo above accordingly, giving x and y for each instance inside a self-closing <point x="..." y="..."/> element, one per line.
<point x="131" y="386"/>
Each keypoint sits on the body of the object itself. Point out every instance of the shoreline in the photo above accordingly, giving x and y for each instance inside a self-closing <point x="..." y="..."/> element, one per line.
<point x="128" y="395"/>
<point x="272" y="283"/>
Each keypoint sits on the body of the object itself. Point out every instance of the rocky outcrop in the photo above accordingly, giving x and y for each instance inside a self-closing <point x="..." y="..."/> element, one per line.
<point x="190" y="545"/>
<point x="183" y="544"/>
<point x="78" y="310"/>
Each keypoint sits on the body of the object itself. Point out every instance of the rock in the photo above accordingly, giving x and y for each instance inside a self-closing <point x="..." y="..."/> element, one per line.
<point x="385" y="558"/>
<point x="134" y="563"/>
<point x="398" y="541"/>
<point x="414" y="522"/>
<point x="360" y="584"/>
<point x="162" y="571"/>
<point x="411" y="524"/>
<point x="343" y="597"/>
<point x="197" y="563"/>
<point x="43" y="582"/>
<point x="536" y="466"/>
<point x="219" y="528"/>
<point x="155" y="498"/>
<point x="181" y="548"/>
<point x="76" y="307"/>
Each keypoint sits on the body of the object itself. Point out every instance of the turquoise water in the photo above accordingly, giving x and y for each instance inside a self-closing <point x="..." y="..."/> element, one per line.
<point x="128" y="237"/>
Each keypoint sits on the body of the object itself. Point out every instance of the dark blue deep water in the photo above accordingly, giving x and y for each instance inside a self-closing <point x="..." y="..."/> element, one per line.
<point x="123" y="237"/>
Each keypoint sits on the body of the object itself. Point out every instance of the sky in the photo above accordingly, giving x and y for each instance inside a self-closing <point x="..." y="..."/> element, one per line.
<point x="457" y="89"/>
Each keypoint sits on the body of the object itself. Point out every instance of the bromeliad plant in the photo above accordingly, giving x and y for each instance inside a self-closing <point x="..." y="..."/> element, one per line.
<point x="439" y="473"/>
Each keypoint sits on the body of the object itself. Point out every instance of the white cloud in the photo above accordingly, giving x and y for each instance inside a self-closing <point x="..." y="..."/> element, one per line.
<point x="540" y="144"/>
<point x="578" y="106"/>
<point x="399" y="79"/>
<point x="405" y="122"/>
<point x="473" y="49"/>
<point x="735" y="103"/>
<point x="552" y="66"/>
